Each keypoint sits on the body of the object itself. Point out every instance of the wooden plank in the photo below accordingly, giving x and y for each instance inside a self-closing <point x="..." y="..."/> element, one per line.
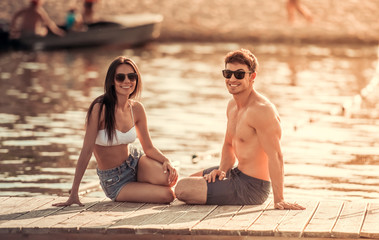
<point x="3" y="198"/>
<point x="43" y="224"/>
<point x="21" y="207"/>
<point x="214" y="221"/>
<point x="94" y="236"/>
<point x="370" y="228"/>
<point x="350" y="221"/>
<point x="35" y="216"/>
<point x="295" y="221"/>
<point x="324" y="219"/>
<point x="128" y="225"/>
<point x="267" y="223"/>
<point x="25" y="213"/>
<point x="109" y="218"/>
<point x="12" y="203"/>
<point x="244" y="218"/>
<point x="156" y="224"/>
<point x="71" y="224"/>
<point x="183" y="224"/>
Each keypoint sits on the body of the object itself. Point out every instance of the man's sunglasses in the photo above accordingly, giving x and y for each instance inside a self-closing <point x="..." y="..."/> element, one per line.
<point x="237" y="74"/>
<point x="120" y="77"/>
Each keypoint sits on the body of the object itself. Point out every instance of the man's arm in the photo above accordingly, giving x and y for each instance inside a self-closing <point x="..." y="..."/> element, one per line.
<point x="267" y="125"/>
<point x="14" y="32"/>
<point x="50" y="23"/>
<point x="227" y="155"/>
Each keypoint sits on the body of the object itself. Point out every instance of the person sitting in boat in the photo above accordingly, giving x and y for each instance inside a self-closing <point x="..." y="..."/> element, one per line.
<point x="74" y="21"/>
<point x="88" y="11"/>
<point x="33" y="20"/>
<point x="114" y="120"/>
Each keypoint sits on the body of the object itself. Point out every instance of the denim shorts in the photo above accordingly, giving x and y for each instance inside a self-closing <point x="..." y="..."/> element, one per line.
<point x="113" y="180"/>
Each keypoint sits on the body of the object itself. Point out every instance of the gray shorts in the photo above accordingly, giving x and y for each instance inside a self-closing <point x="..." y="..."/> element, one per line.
<point x="237" y="188"/>
<point x="113" y="180"/>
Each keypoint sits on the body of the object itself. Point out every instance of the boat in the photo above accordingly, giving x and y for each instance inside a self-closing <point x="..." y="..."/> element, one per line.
<point x="126" y="30"/>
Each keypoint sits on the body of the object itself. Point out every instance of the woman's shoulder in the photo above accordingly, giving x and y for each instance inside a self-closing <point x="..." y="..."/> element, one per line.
<point x="136" y="105"/>
<point x="97" y="107"/>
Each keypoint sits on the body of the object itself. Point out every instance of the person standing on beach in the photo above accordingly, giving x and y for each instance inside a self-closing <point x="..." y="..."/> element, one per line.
<point x="114" y="120"/>
<point x="252" y="138"/>
<point x="295" y="5"/>
<point x="33" y="20"/>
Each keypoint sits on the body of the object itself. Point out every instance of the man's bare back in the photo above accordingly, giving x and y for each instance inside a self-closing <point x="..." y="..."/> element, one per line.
<point x="33" y="20"/>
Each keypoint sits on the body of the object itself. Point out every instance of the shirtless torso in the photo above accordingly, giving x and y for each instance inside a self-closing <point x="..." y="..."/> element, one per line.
<point x="244" y="131"/>
<point x="33" y="20"/>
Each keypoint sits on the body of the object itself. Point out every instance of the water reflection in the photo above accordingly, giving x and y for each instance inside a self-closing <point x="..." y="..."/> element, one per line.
<point x="44" y="97"/>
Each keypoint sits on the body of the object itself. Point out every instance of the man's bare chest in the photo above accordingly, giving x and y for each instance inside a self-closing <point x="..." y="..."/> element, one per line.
<point x="241" y="127"/>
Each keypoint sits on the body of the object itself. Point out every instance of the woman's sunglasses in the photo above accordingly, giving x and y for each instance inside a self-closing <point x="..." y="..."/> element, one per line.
<point x="120" y="77"/>
<point x="237" y="74"/>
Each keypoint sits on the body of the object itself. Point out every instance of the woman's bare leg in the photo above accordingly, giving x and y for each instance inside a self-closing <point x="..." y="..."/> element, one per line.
<point x="151" y="171"/>
<point x="145" y="192"/>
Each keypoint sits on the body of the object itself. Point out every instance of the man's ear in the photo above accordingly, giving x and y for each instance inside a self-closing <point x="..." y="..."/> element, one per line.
<point x="252" y="76"/>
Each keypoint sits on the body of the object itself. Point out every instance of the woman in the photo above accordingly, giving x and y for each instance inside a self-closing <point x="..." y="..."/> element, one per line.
<point x="114" y="120"/>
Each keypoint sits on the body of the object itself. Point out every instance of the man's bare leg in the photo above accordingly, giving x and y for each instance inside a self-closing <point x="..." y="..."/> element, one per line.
<point x="197" y="174"/>
<point x="192" y="190"/>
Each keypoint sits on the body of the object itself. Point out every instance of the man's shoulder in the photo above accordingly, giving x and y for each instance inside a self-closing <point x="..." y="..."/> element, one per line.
<point x="231" y="104"/>
<point x="261" y="103"/>
<point x="262" y="107"/>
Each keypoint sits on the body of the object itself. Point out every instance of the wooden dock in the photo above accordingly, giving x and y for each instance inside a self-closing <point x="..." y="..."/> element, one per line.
<point x="35" y="218"/>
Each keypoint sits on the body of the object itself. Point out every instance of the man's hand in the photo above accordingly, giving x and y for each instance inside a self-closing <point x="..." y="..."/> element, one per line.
<point x="211" y="177"/>
<point x="285" y="205"/>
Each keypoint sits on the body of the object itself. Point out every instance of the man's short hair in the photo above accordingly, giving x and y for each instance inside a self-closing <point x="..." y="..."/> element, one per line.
<point x="243" y="56"/>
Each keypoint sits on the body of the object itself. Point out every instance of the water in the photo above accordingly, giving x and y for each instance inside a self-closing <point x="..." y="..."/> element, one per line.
<point x="330" y="140"/>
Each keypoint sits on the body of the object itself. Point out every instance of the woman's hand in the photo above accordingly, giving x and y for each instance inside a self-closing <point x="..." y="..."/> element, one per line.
<point x="73" y="199"/>
<point x="211" y="177"/>
<point x="173" y="175"/>
<point x="286" y="205"/>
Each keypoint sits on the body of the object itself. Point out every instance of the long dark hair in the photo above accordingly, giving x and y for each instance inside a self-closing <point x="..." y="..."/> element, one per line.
<point x="109" y="98"/>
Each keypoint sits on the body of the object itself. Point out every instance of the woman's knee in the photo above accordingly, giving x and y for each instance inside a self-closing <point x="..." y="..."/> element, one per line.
<point x="149" y="172"/>
<point x="169" y="195"/>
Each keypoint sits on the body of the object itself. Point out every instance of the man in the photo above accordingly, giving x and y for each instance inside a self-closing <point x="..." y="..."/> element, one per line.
<point x="88" y="13"/>
<point x="33" y="20"/>
<point x="252" y="138"/>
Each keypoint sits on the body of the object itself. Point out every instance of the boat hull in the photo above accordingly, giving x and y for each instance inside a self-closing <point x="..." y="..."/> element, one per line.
<point x="121" y="31"/>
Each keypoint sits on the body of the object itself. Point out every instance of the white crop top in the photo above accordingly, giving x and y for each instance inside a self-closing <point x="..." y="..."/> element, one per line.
<point x="119" y="138"/>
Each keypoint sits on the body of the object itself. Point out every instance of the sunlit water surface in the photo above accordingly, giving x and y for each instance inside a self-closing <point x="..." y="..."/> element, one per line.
<point x="324" y="94"/>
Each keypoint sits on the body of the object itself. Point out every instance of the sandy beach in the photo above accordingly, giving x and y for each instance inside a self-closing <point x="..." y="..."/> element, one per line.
<point x="334" y="21"/>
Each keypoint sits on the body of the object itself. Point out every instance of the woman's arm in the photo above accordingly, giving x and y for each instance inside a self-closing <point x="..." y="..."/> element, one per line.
<point x="144" y="137"/>
<point x="84" y="157"/>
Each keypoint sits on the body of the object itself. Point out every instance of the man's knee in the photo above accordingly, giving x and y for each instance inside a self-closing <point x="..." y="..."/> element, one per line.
<point x="180" y="190"/>
<point x="191" y="190"/>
